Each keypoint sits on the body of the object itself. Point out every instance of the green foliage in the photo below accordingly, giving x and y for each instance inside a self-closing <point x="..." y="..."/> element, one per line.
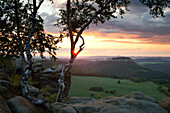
<point x="98" y="89"/>
<point x="156" y="7"/>
<point x="46" y="93"/>
<point x="118" y="81"/>
<point x="101" y="95"/>
<point x="15" y="80"/>
<point x="113" y="91"/>
<point x="162" y="82"/>
<point x="52" y="97"/>
<point x="7" y="67"/>
<point x="164" y="90"/>
<point x="82" y="11"/>
<point x="31" y="82"/>
<point x="16" y="16"/>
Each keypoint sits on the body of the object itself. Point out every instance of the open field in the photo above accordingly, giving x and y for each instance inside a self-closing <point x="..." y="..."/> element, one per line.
<point x="80" y="86"/>
<point x="143" y="63"/>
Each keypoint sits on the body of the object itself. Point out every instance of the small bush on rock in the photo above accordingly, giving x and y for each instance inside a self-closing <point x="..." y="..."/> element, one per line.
<point x="46" y="93"/>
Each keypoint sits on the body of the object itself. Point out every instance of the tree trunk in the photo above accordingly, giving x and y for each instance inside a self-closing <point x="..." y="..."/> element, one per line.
<point x="19" y="38"/>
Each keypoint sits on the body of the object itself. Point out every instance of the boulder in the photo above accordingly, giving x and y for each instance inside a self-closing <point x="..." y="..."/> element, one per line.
<point x="139" y="96"/>
<point x="48" y="71"/>
<point x="6" y="84"/>
<point x="74" y="100"/>
<point x="38" y="69"/>
<point x="20" y="104"/>
<point x="37" y="65"/>
<point x="54" y="67"/>
<point x="5" y="93"/>
<point x="3" y="106"/>
<point x="165" y="103"/>
<point x="138" y="103"/>
<point x="62" y="108"/>
<point x="33" y="90"/>
<point x="59" y="68"/>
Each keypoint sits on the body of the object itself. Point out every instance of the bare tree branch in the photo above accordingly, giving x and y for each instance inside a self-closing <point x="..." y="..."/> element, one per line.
<point x="39" y="4"/>
<point x="81" y="46"/>
<point x="69" y="27"/>
<point x="91" y="19"/>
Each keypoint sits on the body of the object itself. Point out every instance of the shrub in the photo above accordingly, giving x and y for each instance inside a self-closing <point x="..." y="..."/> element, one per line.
<point x="163" y="89"/>
<point x="97" y="89"/>
<point x="106" y="91"/>
<point x="118" y="81"/>
<point x="46" y="93"/>
<point x="15" y="80"/>
<point x="7" y="67"/>
<point x="101" y="95"/>
<point x="92" y="95"/>
<point x="113" y="91"/>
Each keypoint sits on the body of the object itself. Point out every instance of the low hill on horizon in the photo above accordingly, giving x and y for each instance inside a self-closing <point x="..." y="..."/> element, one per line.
<point x="115" y="68"/>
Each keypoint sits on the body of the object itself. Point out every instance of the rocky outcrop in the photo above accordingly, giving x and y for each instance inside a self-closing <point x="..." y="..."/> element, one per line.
<point x="5" y="93"/>
<point x="38" y="67"/>
<point x="6" y="84"/>
<point x="50" y="77"/>
<point x="75" y="100"/>
<point x="165" y="103"/>
<point x="19" y="104"/>
<point x="139" y="96"/>
<point x="3" y="106"/>
<point x="133" y="103"/>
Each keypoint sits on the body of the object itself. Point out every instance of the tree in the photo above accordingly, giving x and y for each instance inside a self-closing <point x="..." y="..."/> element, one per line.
<point x="21" y="27"/>
<point x="79" y="14"/>
<point x="15" y="23"/>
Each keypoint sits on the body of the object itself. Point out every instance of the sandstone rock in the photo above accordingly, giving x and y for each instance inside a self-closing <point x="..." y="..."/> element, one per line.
<point x="126" y="104"/>
<point x="74" y="100"/>
<point x="63" y="108"/>
<point x="38" y="69"/>
<point x="54" y="67"/>
<point x="139" y="96"/>
<point x="19" y="104"/>
<point x="5" y="93"/>
<point x="51" y="75"/>
<point x="48" y="71"/>
<point x="59" y="68"/>
<point x="33" y="90"/>
<point x="6" y="84"/>
<point x="3" y="106"/>
<point x="165" y="103"/>
<point x="37" y="65"/>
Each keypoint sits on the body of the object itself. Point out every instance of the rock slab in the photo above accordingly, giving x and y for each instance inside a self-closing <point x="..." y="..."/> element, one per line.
<point x="165" y="103"/>
<point x="19" y="104"/>
<point x="3" y="106"/>
<point x="133" y="103"/>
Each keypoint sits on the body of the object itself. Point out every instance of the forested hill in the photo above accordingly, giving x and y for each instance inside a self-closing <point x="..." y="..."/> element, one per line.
<point x="115" y="68"/>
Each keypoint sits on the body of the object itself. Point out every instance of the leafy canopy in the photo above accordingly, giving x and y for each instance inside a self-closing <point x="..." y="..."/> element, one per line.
<point x="9" y="43"/>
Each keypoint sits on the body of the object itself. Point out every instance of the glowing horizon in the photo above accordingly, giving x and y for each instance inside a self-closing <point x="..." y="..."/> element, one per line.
<point x="138" y="34"/>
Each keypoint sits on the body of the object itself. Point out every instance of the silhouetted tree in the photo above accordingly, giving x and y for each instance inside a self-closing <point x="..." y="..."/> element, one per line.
<point x="15" y="23"/>
<point x="21" y="29"/>
<point x="118" y="81"/>
<point x="79" y="14"/>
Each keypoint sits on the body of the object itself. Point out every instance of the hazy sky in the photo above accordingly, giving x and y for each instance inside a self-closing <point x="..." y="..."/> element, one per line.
<point x="137" y="34"/>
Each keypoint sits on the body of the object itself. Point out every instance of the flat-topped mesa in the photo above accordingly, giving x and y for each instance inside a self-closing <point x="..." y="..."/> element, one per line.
<point x="125" y="59"/>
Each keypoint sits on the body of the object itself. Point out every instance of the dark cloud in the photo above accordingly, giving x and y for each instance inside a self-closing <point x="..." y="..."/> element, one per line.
<point x="136" y="21"/>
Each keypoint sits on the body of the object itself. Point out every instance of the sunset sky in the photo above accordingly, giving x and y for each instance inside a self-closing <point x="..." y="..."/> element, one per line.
<point x="137" y="34"/>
